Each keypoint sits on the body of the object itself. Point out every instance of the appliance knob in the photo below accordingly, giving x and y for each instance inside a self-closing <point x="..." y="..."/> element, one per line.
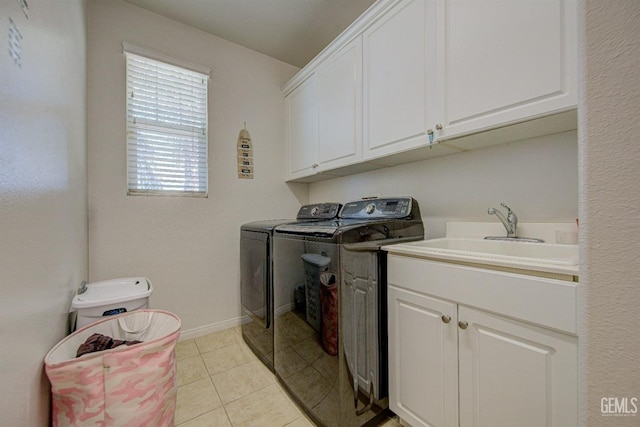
<point x="315" y="211"/>
<point x="370" y="208"/>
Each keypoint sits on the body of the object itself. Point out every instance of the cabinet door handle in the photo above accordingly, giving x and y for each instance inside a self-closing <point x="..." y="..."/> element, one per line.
<point x="446" y="319"/>
<point x="462" y="324"/>
<point x="315" y="165"/>
<point x="438" y="126"/>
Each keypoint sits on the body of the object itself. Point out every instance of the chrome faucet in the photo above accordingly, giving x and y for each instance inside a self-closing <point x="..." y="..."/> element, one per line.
<point x="510" y="222"/>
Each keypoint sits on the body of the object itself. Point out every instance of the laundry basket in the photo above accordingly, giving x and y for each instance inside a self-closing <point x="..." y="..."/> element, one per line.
<point x="314" y="264"/>
<point x="130" y="386"/>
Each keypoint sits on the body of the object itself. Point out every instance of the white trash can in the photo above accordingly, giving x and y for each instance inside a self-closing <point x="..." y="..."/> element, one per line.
<point x="109" y="297"/>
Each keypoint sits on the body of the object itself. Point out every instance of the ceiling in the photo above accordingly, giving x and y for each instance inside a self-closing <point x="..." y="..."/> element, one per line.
<point x="293" y="31"/>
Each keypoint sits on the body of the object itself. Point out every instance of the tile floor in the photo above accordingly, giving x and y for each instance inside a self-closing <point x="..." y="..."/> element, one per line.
<point x="222" y="383"/>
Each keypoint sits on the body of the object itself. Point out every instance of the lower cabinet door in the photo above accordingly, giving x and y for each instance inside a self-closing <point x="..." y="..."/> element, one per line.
<point x="515" y="374"/>
<point x="423" y="363"/>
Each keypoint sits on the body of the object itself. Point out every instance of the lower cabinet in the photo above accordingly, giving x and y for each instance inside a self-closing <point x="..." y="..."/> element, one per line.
<point x="452" y="365"/>
<point x="423" y="358"/>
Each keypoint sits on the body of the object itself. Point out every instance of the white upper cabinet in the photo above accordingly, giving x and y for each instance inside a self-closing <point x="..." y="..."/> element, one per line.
<point x="397" y="89"/>
<point x="324" y="116"/>
<point x="302" y="129"/>
<point x="463" y="74"/>
<point x="501" y="62"/>
<point x="339" y="95"/>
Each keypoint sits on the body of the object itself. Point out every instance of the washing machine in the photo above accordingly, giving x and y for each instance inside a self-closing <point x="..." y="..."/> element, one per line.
<point x="331" y="356"/>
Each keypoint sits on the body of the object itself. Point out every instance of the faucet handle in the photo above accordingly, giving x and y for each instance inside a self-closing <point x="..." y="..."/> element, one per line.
<point x="511" y="218"/>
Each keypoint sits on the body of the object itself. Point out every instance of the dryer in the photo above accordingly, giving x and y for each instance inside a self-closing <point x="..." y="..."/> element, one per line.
<point x="256" y="276"/>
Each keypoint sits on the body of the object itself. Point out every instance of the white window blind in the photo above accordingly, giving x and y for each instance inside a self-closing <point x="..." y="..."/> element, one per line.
<point x="166" y="128"/>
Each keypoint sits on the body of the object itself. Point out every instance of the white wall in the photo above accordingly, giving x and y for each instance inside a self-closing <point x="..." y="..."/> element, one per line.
<point x="43" y="196"/>
<point x="537" y="178"/>
<point x="609" y="292"/>
<point x="188" y="247"/>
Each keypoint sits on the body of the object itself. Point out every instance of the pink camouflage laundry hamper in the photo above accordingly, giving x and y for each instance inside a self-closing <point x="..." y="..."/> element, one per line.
<point x="133" y="386"/>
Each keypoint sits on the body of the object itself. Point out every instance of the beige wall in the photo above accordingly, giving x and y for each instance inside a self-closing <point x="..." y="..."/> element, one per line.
<point x="43" y="196"/>
<point x="537" y="178"/>
<point x="188" y="247"/>
<point x="609" y="159"/>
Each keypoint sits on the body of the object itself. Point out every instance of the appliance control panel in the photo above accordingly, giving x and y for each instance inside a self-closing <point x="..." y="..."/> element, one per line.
<point x="319" y="211"/>
<point x="392" y="207"/>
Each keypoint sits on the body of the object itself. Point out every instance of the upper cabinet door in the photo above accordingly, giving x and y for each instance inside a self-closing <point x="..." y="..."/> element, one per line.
<point x="302" y="129"/>
<point x="501" y="62"/>
<point x="339" y="90"/>
<point x="397" y="90"/>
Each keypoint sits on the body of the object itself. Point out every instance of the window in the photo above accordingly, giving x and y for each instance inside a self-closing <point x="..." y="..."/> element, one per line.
<point x="166" y="125"/>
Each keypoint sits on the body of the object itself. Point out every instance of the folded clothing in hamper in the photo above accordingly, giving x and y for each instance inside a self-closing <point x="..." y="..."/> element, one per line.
<point x="99" y="342"/>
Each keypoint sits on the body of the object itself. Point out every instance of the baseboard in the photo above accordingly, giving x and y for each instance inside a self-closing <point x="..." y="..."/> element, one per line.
<point x="209" y="329"/>
<point x="285" y="309"/>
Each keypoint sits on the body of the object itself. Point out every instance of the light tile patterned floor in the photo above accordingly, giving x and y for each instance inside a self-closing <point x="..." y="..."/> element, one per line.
<point x="222" y="383"/>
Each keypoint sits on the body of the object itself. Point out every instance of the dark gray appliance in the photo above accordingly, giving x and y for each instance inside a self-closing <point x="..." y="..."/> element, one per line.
<point x="256" y="276"/>
<point x="338" y="371"/>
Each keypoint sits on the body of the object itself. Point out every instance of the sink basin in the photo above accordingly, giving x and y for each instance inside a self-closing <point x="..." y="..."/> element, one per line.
<point x="564" y="254"/>
<point x="518" y="254"/>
